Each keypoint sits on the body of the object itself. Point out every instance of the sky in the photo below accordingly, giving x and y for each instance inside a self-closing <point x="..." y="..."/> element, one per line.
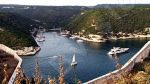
<point x="72" y="2"/>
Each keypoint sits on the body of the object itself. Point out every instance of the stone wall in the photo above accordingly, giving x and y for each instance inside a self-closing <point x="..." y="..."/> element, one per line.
<point x="13" y="53"/>
<point x="143" y="53"/>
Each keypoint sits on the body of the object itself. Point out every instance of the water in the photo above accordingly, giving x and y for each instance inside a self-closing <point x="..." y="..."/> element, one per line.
<point x="92" y="58"/>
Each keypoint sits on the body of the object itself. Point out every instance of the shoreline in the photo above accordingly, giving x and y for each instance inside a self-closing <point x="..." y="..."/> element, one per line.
<point x="111" y="38"/>
<point x="28" y="51"/>
<point x="90" y="40"/>
<point x="130" y="37"/>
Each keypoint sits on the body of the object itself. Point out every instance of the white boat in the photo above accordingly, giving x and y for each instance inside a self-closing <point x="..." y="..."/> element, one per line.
<point x="79" y="40"/>
<point x="40" y="37"/>
<point x="74" y="62"/>
<point x="53" y="57"/>
<point x="72" y="37"/>
<point x="64" y="35"/>
<point x="117" y="50"/>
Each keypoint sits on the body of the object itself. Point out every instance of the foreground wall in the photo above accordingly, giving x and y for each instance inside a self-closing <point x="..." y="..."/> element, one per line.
<point x="13" y="53"/>
<point x="138" y="57"/>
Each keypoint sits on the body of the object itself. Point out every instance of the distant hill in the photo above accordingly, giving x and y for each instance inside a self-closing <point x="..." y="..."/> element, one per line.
<point x="106" y="20"/>
<point x="52" y="16"/>
<point x="120" y="5"/>
<point x="15" y="30"/>
<point x="102" y="18"/>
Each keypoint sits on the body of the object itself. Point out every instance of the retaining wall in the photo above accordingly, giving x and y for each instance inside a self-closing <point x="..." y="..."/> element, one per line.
<point x="13" y="53"/>
<point x="138" y="57"/>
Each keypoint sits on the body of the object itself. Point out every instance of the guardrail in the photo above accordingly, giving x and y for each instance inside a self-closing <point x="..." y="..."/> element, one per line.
<point x="143" y="53"/>
<point x="13" y="53"/>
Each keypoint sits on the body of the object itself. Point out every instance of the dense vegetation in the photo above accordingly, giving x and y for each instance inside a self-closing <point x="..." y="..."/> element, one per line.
<point x="52" y="16"/>
<point x="127" y="18"/>
<point x="100" y="19"/>
<point x="105" y="20"/>
<point x="15" y="30"/>
<point x="140" y="74"/>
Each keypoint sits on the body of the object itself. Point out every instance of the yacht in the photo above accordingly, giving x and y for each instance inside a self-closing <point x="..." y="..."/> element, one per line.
<point x="117" y="50"/>
<point x="40" y="37"/>
<point x="74" y="62"/>
<point x="64" y="33"/>
<point x="72" y="37"/>
<point x="79" y="41"/>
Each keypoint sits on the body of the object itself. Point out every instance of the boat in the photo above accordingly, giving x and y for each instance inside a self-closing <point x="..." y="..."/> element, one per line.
<point x="72" y="37"/>
<point x="79" y="40"/>
<point x="52" y="57"/>
<point x="40" y="37"/>
<point x="74" y="62"/>
<point x="117" y="50"/>
<point x="64" y="33"/>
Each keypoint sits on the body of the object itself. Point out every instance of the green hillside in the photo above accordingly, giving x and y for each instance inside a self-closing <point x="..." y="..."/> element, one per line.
<point x="127" y="20"/>
<point x="52" y="16"/>
<point x="15" y="30"/>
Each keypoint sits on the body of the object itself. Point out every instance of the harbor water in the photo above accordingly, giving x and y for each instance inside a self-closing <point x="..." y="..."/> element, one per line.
<point x="92" y="58"/>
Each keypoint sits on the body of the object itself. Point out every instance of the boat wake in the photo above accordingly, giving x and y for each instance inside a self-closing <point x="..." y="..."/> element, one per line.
<point x="53" y="57"/>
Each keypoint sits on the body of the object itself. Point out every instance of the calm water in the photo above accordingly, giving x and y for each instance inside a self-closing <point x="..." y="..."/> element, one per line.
<point x="92" y="58"/>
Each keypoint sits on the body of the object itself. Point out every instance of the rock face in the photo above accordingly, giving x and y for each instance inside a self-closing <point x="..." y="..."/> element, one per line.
<point x="28" y="51"/>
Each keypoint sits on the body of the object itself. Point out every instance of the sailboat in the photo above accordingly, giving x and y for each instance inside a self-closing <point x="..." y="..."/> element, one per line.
<point x="74" y="62"/>
<point x="41" y="38"/>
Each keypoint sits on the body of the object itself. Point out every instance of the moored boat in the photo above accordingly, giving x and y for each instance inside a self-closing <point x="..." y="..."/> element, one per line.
<point x="117" y="50"/>
<point x="79" y="41"/>
<point x="40" y="37"/>
<point x="72" y="37"/>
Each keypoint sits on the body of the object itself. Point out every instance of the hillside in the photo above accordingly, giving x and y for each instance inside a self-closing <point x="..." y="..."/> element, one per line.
<point x="106" y="20"/>
<point x="52" y="16"/>
<point x="15" y="30"/>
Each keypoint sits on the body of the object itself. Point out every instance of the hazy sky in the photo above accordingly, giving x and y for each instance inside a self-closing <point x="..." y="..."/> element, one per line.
<point x="72" y="2"/>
